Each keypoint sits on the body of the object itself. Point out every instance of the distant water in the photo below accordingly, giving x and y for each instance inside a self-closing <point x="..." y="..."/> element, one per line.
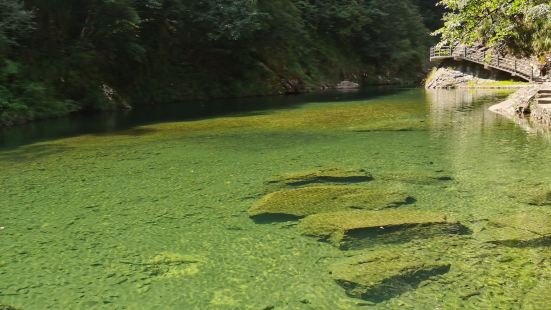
<point x="148" y="210"/>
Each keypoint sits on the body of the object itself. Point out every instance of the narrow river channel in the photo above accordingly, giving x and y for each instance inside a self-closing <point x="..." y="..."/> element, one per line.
<point x="151" y="211"/>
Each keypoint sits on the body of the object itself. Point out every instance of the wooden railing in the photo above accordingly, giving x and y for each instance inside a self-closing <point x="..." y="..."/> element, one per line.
<point x="517" y="67"/>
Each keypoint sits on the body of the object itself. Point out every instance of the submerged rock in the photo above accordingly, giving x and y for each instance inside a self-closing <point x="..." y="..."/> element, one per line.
<point x="387" y="226"/>
<point x="519" y="230"/>
<point x="538" y="296"/>
<point x="301" y="202"/>
<point x="323" y="176"/>
<point x="6" y="307"/>
<point x="381" y="275"/>
<point x="535" y="196"/>
<point x="419" y="178"/>
<point x="169" y="265"/>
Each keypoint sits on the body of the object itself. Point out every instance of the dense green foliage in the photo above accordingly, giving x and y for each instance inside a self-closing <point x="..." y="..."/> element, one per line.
<point x="519" y="26"/>
<point x="61" y="56"/>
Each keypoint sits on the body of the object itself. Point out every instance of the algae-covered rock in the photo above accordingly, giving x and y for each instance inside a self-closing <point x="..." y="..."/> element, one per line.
<point x="381" y="275"/>
<point x="540" y="199"/>
<point x="533" y="195"/>
<point x="6" y="307"/>
<point x="418" y="178"/>
<point x="524" y="229"/>
<point x="387" y="225"/>
<point x="323" y="176"/>
<point x="538" y="296"/>
<point x="301" y="202"/>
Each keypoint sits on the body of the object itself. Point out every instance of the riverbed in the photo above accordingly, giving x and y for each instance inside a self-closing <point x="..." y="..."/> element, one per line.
<point x="153" y="214"/>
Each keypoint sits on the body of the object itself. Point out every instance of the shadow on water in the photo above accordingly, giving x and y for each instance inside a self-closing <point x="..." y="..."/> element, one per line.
<point x="123" y="122"/>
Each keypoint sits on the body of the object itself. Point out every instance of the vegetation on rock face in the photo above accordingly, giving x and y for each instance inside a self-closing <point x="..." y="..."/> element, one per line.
<point x="520" y="26"/>
<point x="57" y="57"/>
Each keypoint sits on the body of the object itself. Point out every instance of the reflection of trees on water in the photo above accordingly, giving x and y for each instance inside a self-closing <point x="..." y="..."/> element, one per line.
<point x="486" y="150"/>
<point x="452" y="109"/>
<point x="449" y="109"/>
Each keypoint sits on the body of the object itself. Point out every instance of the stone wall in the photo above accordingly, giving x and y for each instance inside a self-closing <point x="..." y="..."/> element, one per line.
<point x="541" y="115"/>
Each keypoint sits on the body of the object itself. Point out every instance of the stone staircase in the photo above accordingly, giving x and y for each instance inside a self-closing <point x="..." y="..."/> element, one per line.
<point x="544" y="98"/>
<point x="541" y="113"/>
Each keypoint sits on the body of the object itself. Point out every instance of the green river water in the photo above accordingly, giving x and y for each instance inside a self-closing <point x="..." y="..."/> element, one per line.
<point x="155" y="216"/>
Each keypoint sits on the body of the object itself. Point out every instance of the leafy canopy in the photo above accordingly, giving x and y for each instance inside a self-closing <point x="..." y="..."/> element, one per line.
<point x="521" y="26"/>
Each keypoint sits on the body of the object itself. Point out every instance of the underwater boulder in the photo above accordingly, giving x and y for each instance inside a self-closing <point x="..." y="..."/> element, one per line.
<point x="381" y="275"/>
<point x="417" y="178"/>
<point x="537" y="297"/>
<point x="301" y="202"/>
<point x="534" y="196"/>
<point x="356" y="229"/>
<point x="519" y="230"/>
<point x="331" y="176"/>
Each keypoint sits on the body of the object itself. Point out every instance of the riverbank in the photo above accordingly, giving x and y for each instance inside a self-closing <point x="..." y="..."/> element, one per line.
<point x="450" y="78"/>
<point x="522" y="105"/>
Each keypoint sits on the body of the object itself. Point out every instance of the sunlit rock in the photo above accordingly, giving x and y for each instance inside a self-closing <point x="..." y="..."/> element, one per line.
<point x="348" y="85"/>
<point x="297" y="203"/>
<point x="381" y="275"/>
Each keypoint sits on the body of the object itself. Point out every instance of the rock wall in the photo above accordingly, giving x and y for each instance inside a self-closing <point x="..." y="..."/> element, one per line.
<point x="541" y="115"/>
<point x="463" y="75"/>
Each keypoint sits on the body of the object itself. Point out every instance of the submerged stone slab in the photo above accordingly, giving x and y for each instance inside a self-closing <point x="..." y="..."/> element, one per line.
<point x="418" y="178"/>
<point x="534" y="195"/>
<point x="323" y="176"/>
<point x="388" y="225"/>
<point x="381" y="275"/>
<point x="519" y="230"/>
<point x="305" y="201"/>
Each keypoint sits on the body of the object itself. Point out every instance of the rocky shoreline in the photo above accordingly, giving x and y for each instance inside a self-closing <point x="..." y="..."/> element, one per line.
<point x="521" y="106"/>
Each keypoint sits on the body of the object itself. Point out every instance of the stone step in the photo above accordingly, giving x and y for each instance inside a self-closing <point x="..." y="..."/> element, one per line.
<point x="544" y="101"/>
<point x="544" y="91"/>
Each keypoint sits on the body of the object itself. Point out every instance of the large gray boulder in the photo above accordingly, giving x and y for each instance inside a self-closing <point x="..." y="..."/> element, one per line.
<point x="348" y="85"/>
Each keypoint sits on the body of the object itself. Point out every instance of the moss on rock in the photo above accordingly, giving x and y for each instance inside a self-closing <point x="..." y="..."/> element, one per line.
<point x="426" y="178"/>
<point x="323" y="176"/>
<point x="381" y="275"/>
<point x="306" y="201"/>
<point x="534" y="195"/>
<point x="519" y="230"/>
<point x="173" y="265"/>
<point x="408" y="224"/>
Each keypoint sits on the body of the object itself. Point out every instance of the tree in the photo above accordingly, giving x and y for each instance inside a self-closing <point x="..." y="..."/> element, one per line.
<point x="15" y="23"/>
<point x="520" y="26"/>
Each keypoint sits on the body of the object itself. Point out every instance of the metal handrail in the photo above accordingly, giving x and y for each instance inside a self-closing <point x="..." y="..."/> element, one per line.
<point x="515" y="66"/>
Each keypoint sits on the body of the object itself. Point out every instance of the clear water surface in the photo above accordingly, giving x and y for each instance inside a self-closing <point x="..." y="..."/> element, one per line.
<point x="145" y="211"/>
